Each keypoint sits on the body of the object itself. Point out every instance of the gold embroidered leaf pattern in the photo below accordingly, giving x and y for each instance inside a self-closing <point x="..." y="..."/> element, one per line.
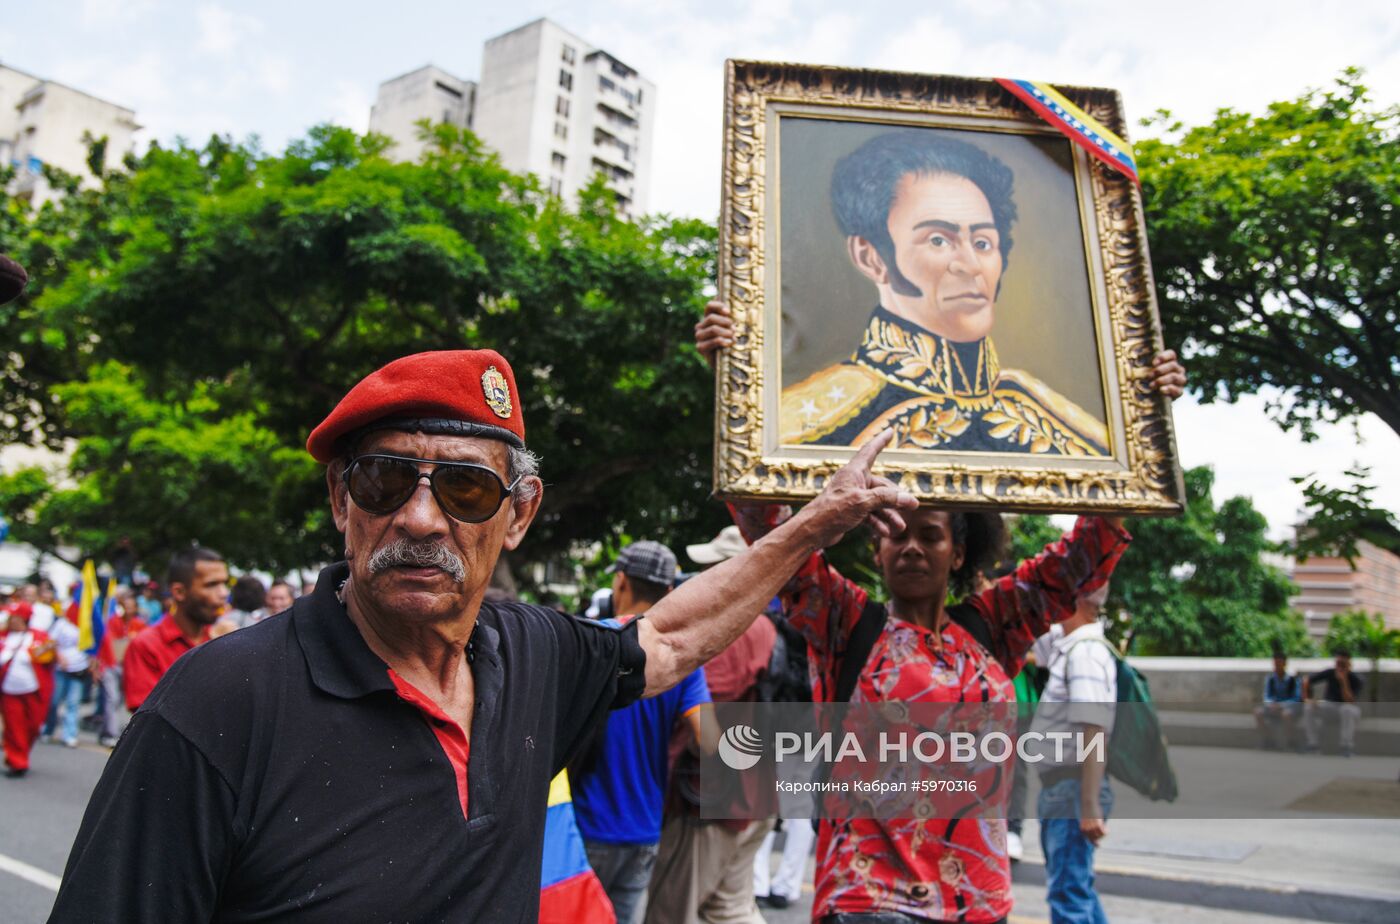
<point x="930" y="426"/>
<point x="911" y="357"/>
<point x="1025" y="426"/>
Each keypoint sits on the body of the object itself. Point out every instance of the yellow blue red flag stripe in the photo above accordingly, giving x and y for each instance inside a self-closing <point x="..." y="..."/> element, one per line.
<point x="1076" y="124"/>
<point x="570" y="892"/>
<point x="86" y="603"/>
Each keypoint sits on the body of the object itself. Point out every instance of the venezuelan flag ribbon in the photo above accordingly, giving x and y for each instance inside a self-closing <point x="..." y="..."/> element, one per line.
<point x="1076" y="124"/>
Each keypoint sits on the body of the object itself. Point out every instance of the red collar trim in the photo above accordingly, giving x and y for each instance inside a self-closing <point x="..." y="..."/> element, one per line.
<point x="449" y="734"/>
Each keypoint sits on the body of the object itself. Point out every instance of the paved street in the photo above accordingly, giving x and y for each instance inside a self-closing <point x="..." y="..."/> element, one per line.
<point x="41" y="813"/>
<point x="1152" y="871"/>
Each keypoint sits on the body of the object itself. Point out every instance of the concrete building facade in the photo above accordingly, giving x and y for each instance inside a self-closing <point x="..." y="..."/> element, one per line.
<point x="428" y="93"/>
<point x="553" y="105"/>
<point x="548" y="103"/>
<point x="1328" y="586"/>
<point x="43" y="122"/>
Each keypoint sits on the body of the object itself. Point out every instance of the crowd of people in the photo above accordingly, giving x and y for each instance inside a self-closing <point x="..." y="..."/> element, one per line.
<point x="429" y="484"/>
<point x="49" y="677"/>
<point x="393" y="743"/>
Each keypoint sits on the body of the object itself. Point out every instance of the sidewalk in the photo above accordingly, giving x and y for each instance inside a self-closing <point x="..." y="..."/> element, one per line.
<point x="1295" y="865"/>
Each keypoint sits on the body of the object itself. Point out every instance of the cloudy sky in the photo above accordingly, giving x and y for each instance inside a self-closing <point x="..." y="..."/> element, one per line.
<point x="192" y="68"/>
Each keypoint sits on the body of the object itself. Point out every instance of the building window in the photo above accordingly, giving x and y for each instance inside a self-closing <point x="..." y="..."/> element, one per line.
<point x="557" y="161"/>
<point x="561" y="131"/>
<point x="566" y="80"/>
<point x="568" y="55"/>
<point x="561" y="107"/>
<point x="556" y="186"/>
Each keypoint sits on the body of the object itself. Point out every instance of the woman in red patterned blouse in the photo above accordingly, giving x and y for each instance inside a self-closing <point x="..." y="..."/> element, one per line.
<point x="930" y="869"/>
<point x="935" y="869"/>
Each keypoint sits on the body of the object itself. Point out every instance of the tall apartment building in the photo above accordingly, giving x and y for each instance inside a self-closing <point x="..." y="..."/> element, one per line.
<point x="555" y="106"/>
<point x="548" y="103"/>
<point x="427" y="93"/>
<point x="1328" y="586"/>
<point x="43" y="122"/>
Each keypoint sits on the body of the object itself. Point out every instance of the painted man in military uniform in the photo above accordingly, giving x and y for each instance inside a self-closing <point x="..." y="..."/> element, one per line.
<point x="928" y="220"/>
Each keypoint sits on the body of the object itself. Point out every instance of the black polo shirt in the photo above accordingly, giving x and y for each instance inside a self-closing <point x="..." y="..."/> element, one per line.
<point x="275" y="774"/>
<point x="1334" y="685"/>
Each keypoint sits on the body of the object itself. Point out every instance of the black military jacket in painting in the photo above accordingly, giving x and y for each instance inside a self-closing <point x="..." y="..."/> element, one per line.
<point x="935" y="394"/>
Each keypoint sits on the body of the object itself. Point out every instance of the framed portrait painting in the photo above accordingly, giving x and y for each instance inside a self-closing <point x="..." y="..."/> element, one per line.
<point x="928" y="255"/>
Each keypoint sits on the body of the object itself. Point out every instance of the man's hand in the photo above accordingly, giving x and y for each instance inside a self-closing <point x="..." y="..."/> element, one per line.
<point x="716" y="331"/>
<point x="1167" y="374"/>
<point x="854" y="495"/>
<point x="1093" y="829"/>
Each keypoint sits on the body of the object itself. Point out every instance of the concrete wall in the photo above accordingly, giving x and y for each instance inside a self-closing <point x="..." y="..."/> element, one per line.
<point x="1235" y="684"/>
<point x="52" y="121"/>
<point x="514" y="103"/>
<point x="427" y="93"/>
<point x="13" y="85"/>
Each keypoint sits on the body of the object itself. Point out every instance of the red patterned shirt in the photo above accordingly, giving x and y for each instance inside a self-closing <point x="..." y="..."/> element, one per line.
<point x="934" y="868"/>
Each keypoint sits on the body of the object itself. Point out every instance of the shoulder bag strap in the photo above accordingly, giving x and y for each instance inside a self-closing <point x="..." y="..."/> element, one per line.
<point x="858" y="648"/>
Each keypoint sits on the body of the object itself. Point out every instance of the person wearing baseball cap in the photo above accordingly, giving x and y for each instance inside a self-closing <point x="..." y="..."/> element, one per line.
<point x="726" y="545"/>
<point x="26" y="671"/>
<point x="619" y="779"/>
<point x="383" y="750"/>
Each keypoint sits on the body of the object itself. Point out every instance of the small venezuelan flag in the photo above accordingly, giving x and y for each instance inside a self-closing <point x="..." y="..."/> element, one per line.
<point x="570" y="892"/>
<point x="1076" y="124"/>
<point x="86" y="602"/>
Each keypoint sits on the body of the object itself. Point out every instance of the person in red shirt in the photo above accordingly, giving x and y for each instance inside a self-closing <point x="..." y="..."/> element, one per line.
<point x="26" y="674"/>
<point x="198" y="587"/>
<point x="121" y="628"/>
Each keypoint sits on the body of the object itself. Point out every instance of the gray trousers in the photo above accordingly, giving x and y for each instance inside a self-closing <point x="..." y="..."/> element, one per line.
<point x="1345" y="714"/>
<point x="112" y="702"/>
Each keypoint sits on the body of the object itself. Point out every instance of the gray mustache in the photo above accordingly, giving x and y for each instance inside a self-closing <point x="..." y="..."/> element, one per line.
<point x="418" y="555"/>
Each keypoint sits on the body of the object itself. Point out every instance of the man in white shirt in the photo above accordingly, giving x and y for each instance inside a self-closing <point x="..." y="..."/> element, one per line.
<point x="1080" y="693"/>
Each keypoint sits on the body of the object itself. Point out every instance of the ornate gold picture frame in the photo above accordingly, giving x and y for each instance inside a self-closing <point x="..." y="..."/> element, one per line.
<point x="925" y="253"/>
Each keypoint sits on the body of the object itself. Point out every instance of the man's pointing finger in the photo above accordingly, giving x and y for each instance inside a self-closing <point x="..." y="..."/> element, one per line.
<point x="865" y="456"/>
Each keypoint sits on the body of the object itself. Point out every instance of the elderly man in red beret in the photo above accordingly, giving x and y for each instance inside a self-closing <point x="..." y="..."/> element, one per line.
<point x="382" y="751"/>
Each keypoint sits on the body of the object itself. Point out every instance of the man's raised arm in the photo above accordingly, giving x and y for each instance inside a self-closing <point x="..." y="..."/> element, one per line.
<point x="699" y="619"/>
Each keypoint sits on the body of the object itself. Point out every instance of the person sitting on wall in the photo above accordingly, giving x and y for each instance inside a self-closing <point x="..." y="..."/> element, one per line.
<point x="1283" y="703"/>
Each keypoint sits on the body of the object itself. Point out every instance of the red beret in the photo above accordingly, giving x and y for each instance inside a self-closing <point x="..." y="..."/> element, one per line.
<point x="454" y="392"/>
<point x="20" y="608"/>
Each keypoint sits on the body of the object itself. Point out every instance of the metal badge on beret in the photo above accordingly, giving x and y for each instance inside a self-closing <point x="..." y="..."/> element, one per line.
<point x="493" y="385"/>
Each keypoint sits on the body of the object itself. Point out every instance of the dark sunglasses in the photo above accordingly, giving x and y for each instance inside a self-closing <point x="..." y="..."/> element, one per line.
<point x="381" y="484"/>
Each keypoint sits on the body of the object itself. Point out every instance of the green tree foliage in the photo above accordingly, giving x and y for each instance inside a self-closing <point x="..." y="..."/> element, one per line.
<point x="1365" y="635"/>
<point x="166" y="472"/>
<point x="1339" y="518"/>
<point x="1197" y="585"/>
<point x="244" y="293"/>
<point x="1029" y="534"/>
<point x="1275" y="252"/>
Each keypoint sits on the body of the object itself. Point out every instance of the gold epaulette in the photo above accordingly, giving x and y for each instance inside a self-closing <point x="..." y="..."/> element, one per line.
<point x="825" y="400"/>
